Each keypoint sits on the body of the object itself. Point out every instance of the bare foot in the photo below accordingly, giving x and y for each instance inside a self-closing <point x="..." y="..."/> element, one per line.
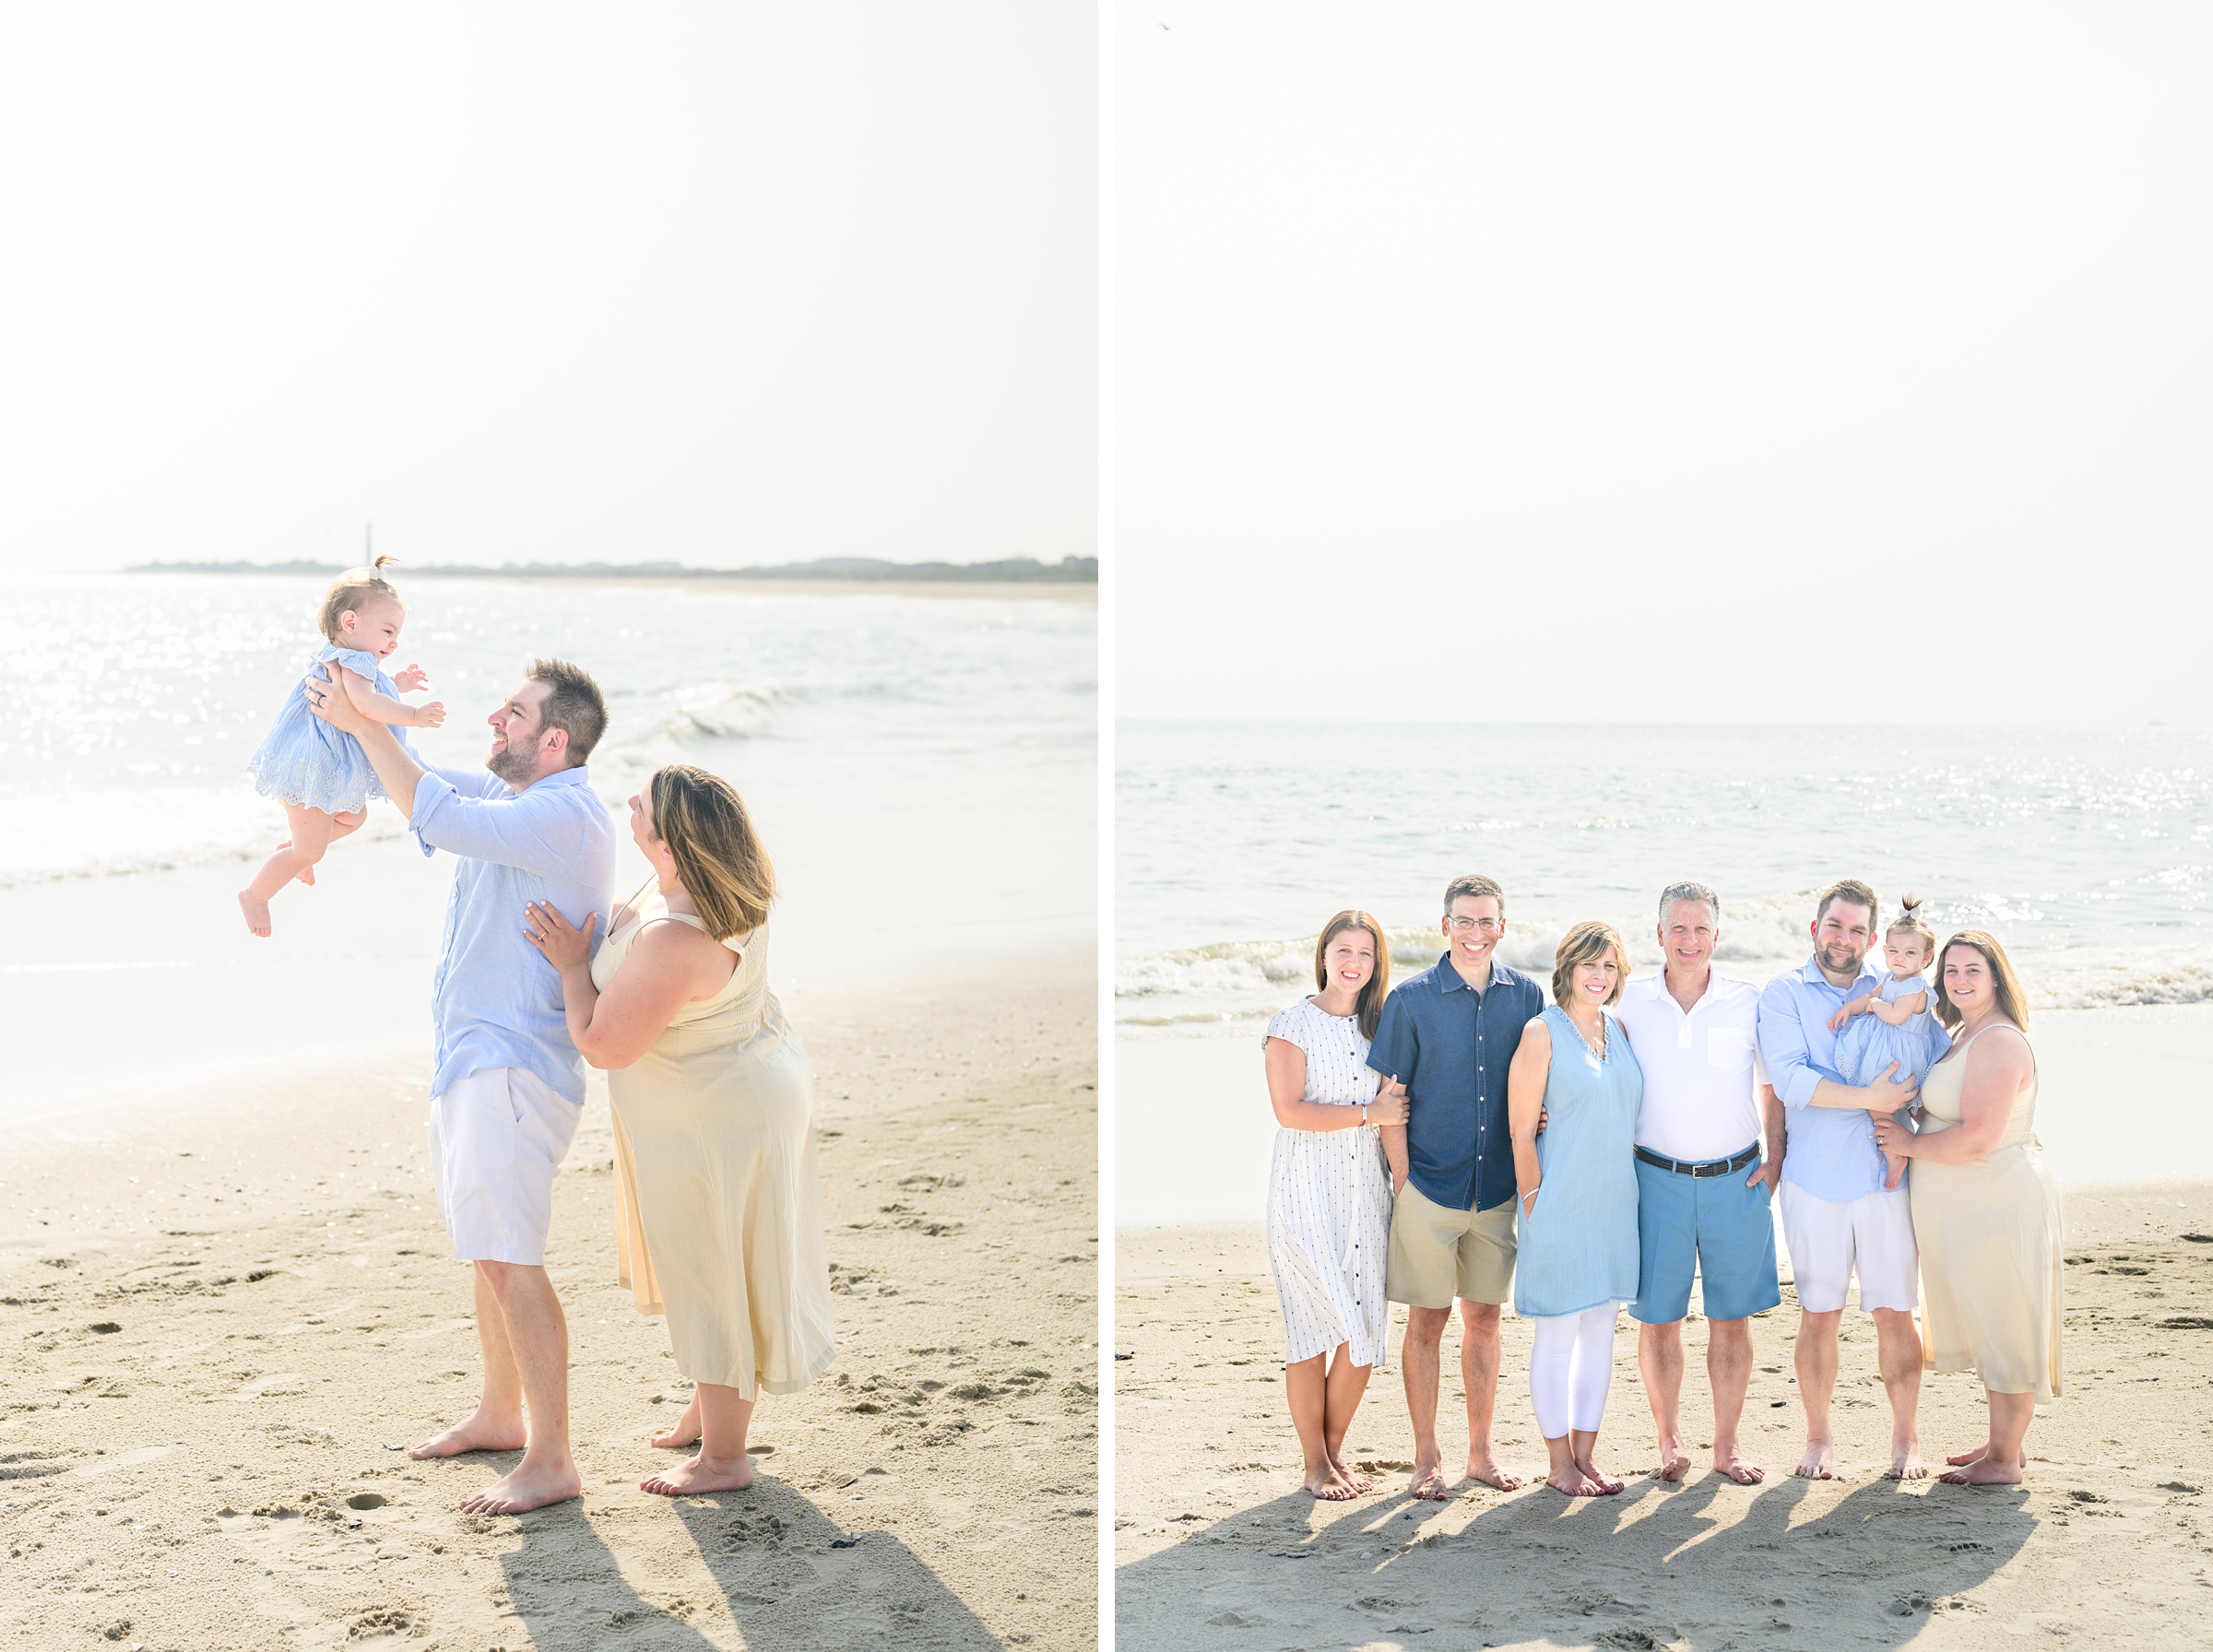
<point x="1484" y="1468"/>
<point x="1324" y="1484"/>
<point x="1576" y="1483"/>
<point x="1675" y="1462"/>
<point x="683" y="1432"/>
<point x="258" y="913"/>
<point x="1607" y="1486"/>
<point x="527" y="1486"/>
<point x="1738" y="1467"/>
<point x="1429" y="1484"/>
<point x="1359" y="1482"/>
<point x="1905" y="1462"/>
<point x="1983" y="1472"/>
<point x="478" y="1432"/>
<point x="1814" y="1464"/>
<point x="1959" y="1459"/>
<point x="704" y="1473"/>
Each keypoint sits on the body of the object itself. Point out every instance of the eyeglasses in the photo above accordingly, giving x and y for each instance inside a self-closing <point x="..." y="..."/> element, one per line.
<point x="1488" y="926"/>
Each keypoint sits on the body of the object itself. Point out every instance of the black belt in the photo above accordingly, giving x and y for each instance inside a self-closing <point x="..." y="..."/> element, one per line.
<point x="1712" y="1167"/>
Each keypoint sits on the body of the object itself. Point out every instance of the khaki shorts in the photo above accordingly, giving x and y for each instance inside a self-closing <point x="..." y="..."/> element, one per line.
<point x="1438" y="1252"/>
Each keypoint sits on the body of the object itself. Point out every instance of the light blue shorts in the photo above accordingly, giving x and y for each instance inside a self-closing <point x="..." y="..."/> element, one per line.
<point x="1714" y="1227"/>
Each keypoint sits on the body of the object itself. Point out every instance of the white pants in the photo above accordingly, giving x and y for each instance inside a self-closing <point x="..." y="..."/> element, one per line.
<point x="497" y="1137"/>
<point x="1871" y="1235"/>
<point x="1570" y="1368"/>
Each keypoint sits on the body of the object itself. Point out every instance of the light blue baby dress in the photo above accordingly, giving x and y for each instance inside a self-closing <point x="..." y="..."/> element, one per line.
<point x="304" y="759"/>
<point x="1579" y="1248"/>
<point x="1869" y="1043"/>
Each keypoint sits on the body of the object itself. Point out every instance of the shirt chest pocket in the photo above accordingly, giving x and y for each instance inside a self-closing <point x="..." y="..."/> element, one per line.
<point x="1729" y="1048"/>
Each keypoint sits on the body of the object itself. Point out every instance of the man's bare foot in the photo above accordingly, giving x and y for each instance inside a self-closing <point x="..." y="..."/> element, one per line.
<point x="527" y="1486"/>
<point x="701" y="1473"/>
<point x="1814" y="1464"/>
<point x="1905" y="1462"/>
<point x="258" y="913"/>
<point x="1484" y="1468"/>
<point x="1959" y="1459"/>
<point x="1576" y="1483"/>
<point x="1738" y="1467"/>
<point x="1983" y="1472"/>
<point x="1359" y="1482"/>
<point x="683" y="1432"/>
<point x="1429" y="1484"/>
<point x="1324" y="1483"/>
<point x="478" y="1432"/>
<point x="1675" y="1462"/>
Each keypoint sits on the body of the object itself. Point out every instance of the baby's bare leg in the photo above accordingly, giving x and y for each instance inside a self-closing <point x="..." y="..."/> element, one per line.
<point x="341" y="823"/>
<point x="311" y="835"/>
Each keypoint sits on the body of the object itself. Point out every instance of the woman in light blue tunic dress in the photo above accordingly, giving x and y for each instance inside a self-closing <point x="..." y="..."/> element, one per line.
<point x="1576" y="1251"/>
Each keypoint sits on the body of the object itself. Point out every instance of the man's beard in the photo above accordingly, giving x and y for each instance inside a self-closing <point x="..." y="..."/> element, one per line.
<point x="510" y="765"/>
<point x="1836" y="959"/>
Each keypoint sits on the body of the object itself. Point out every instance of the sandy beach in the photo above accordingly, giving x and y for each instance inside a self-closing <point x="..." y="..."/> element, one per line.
<point x="227" y="1303"/>
<point x="2109" y="1543"/>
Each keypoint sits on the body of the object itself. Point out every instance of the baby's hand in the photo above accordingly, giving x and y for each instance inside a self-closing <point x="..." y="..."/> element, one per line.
<point x="411" y="679"/>
<point x="1854" y="1007"/>
<point x="429" y="717"/>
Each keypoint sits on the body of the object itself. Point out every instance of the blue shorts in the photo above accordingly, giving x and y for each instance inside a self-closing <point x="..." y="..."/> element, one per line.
<point x="1714" y="1226"/>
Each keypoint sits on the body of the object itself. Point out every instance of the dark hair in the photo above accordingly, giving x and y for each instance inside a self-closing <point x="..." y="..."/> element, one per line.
<point x="350" y="590"/>
<point x="1474" y="883"/>
<point x="1368" y="1010"/>
<point x="573" y="704"/>
<point x="719" y="857"/>
<point x="1853" y="890"/>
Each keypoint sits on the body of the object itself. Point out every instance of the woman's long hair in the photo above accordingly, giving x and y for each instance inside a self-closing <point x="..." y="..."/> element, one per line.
<point x="720" y="858"/>
<point x="1367" y="1008"/>
<point x="2013" y="1003"/>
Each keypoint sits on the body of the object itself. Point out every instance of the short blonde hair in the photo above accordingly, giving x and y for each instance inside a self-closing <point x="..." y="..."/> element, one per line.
<point x="1368" y="1010"/>
<point x="720" y="858"/>
<point x="2013" y="1003"/>
<point x="1588" y="942"/>
<point x="350" y="590"/>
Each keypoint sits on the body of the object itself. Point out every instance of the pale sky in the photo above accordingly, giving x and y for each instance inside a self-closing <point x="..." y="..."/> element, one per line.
<point x="1713" y="363"/>
<point x="722" y="283"/>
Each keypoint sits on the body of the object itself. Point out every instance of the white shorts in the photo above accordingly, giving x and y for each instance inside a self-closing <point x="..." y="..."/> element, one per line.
<point x="1871" y="1235"/>
<point x="496" y="1139"/>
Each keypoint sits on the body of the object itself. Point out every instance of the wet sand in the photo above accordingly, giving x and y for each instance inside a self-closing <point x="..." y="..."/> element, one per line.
<point x="2109" y="1543"/>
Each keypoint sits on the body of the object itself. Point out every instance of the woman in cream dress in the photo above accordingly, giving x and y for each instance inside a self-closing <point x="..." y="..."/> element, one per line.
<point x="1985" y="1207"/>
<point x="719" y="1221"/>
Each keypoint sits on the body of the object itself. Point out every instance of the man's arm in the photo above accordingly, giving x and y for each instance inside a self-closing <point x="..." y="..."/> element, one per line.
<point x="386" y="755"/>
<point x="1791" y="1067"/>
<point x="1394" y="1055"/>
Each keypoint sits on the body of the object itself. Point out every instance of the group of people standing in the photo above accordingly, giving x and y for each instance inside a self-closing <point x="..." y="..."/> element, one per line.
<point x="1462" y="1140"/>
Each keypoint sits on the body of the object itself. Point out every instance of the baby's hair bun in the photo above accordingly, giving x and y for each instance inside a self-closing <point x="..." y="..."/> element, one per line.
<point x="385" y="559"/>
<point x="1908" y="905"/>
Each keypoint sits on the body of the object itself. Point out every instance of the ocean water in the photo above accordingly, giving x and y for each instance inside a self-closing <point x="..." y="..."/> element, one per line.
<point x="2090" y="856"/>
<point x="908" y="748"/>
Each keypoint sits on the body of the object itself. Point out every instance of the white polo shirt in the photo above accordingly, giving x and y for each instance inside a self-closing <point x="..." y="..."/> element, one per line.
<point x="1702" y="1070"/>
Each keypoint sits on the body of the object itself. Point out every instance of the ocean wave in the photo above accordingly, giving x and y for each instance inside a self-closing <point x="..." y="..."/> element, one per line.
<point x="679" y="723"/>
<point x="112" y="834"/>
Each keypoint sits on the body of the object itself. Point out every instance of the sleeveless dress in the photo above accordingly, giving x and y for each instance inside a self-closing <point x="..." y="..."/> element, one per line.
<point x="1991" y="1265"/>
<point x="1579" y="1248"/>
<point x="1869" y="1043"/>
<point x="304" y="759"/>
<point x="719" y="1218"/>
<point x="1329" y="1200"/>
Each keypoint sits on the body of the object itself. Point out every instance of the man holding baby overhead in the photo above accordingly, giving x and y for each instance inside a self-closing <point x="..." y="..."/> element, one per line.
<point x="509" y="1085"/>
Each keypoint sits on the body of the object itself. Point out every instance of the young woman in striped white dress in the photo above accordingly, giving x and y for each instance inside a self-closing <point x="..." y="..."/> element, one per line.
<point x="1329" y="1192"/>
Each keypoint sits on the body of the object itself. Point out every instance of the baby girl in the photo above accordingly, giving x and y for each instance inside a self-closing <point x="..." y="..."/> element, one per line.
<point x="1891" y="1024"/>
<point x="323" y="777"/>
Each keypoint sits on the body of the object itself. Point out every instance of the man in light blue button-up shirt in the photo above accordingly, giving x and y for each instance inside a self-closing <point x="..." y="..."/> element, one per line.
<point x="509" y="1084"/>
<point x="1838" y="1219"/>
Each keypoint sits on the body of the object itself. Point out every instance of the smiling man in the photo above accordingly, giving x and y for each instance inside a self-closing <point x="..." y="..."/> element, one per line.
<point x="1702" y="1186"/>
<point x="1447" y="1036"/>
<point x="509" y="1085"/>
<point x="1838" y="1219"/>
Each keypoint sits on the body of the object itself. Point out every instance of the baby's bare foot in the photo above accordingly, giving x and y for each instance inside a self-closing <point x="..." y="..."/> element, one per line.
<point x="258" y="913"/>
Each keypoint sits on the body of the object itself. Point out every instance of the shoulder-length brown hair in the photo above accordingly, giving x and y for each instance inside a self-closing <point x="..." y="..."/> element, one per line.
<point x="719" y="857"/>
<point x="2013" y="1003"/>
<point x="1588" y="942"/>
<point x="1368" y="1010"/>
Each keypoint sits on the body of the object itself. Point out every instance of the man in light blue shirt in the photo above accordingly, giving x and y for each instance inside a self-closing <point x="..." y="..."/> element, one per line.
<point x="509" y="1085"/>
<point x="1838" y="1219"/>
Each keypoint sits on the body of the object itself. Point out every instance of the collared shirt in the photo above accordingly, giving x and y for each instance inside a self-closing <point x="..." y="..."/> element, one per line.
<point x="1450" y="1046"/>
<point x="1832" y="1151"/>
<point x="496" y="1001"/>
<point x="1702" y="1067"/>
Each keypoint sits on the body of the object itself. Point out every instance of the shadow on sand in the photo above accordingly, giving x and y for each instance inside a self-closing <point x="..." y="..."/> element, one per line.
<point x="1868" y="1570"/>
<point x="769" y="1550"/>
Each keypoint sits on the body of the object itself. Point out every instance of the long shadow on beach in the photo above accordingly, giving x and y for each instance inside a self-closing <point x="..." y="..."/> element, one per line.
<point x="769" y="1550"/>
<point x="1655" y="1566"/>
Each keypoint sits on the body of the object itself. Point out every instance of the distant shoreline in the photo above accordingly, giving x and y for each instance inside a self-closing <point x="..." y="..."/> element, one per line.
<point x="827" y="571"/>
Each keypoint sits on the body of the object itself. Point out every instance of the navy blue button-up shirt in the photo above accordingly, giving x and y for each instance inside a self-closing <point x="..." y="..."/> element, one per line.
<point x="1450" y="1046"/>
